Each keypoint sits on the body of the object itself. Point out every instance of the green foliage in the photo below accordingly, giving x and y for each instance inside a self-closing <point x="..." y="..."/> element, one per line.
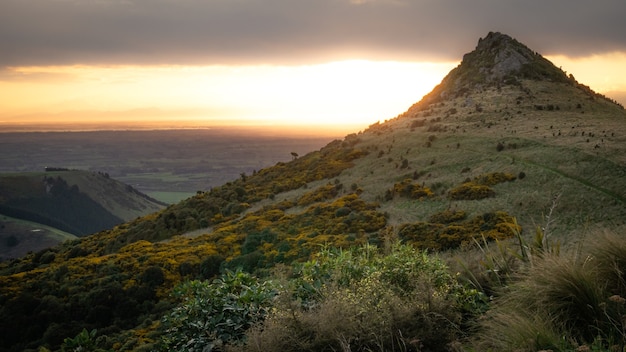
<point x="447" y="231"/>
<point x="448" y="216"/>
<point x="471" y="191"/>
<point x="326" y="192"/>
<point x="479" y="187"/>
<point x="211" y="315"/>
<point x="361" y="299"/>
<point x="411" y="190"/>
<point x="84" y="341"/>
<point x="494" y="178"/>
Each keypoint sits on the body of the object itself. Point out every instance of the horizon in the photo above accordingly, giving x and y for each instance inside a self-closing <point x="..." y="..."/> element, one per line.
<point x="295" y="131"/>
<point x="323" y="66"/>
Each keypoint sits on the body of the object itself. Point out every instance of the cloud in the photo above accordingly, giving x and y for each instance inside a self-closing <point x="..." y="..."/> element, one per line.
<point x="62" y="32"/>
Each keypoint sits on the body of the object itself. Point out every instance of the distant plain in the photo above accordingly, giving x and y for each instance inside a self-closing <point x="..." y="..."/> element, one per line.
<point x="168" y="165"/>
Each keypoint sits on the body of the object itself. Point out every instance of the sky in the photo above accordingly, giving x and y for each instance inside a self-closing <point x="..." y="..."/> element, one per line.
<point x="331" y="64"/>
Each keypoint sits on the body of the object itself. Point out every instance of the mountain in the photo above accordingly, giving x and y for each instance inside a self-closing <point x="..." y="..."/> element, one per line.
<point x="41" y="209"/>
<point x="505" y="145"/>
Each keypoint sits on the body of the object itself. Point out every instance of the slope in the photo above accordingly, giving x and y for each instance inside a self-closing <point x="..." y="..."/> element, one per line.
<point x="75" y="202"/>
<point x="505" y="136"/>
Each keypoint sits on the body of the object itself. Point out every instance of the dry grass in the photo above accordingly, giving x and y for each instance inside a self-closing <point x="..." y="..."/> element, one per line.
<point x="560" y="302"/>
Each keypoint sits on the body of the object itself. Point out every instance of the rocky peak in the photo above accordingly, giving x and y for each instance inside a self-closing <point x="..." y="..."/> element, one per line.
<point x="500" y="55"/>
<point x="497" y="60"/>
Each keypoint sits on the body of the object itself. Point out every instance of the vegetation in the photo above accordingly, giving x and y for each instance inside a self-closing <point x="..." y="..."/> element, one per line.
<point x="556" y="302"/>
<point x="479" y="187"/>
<point x="407" y="257"/>
<point x="212" y="315"/>
<point x="361" y="299"/>
<point x="454" y="232"/>
<point x="411" y="190"/>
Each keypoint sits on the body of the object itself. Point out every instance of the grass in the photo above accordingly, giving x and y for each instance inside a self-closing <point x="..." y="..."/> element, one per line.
<point x="591" y="180"/>
<point x="29" y="236"/>
<point x="553" y="301"/>
<point x="113" y="195"/>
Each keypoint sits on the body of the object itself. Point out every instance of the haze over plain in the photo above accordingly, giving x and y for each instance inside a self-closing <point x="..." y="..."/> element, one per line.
<point x="333" y="63"/>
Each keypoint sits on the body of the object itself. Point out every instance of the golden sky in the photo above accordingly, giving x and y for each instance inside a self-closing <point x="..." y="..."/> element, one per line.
<point x="335" y="64"/>
<point x="350" y="94"/>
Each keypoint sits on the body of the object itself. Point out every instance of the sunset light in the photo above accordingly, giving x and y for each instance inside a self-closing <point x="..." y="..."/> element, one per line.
<point x="342" y="95"/>
<point x="327" y="63"/>
<point x="353" y="93"/>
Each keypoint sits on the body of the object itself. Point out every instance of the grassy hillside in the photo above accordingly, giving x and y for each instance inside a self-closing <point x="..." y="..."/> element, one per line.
<point x="73" y="202"/>
<point x="506" y="145"/>
<point x="18" y="237"/>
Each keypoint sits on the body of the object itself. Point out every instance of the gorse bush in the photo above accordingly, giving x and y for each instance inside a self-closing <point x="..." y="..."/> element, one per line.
<point x="480" y="186"/>
<point x="494" y="178"/>
<point x="411" y="190"/>
<point x="448" y="230"/>
<point x="471" y="191"/>
<point x="320" y="194"/>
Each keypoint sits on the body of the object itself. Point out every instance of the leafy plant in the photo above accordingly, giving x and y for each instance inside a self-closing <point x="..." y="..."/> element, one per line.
<point x="362" y="299"/>
<point x="215" y="314"/>
<point x="84" y="341"/>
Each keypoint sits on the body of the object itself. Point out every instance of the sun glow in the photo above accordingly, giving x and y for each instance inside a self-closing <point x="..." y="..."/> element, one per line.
<point x="352" y="93"/>
<point x="603" y="73"/>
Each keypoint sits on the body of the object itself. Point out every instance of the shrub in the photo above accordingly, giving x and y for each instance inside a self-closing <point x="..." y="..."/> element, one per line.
<point x="360" y="300"/>
<point x="215" y="314"/>
<point x="210" y="266"/>
<point x="479" y="187"/>
<point x="494" y="178"/>
<point x="84" y="341"/>
<point x="411" y="190"/>
<point x="440" y="236"/>
<point x="448" y="216"/>
<point x="320" y="194"/>
<point x="471" y="191"/>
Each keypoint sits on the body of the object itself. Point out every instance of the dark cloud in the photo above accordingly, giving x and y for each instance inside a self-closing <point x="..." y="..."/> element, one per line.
<point x="49" y="32"/>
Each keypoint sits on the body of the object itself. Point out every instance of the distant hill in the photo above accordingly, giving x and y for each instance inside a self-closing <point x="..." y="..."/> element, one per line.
<point x="74" y="202"/>
<point x="506" y="144"/>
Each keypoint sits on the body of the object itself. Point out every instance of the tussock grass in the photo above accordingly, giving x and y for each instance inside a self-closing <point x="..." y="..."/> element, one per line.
<point x="562" y="302"/>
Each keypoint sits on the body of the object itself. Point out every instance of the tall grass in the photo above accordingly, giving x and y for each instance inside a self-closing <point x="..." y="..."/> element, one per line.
<point x="563" y="303"/>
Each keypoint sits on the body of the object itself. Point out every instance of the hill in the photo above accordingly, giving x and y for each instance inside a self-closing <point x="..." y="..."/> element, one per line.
<point x="76" y="203"/>
<point x="506" y="144"/>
